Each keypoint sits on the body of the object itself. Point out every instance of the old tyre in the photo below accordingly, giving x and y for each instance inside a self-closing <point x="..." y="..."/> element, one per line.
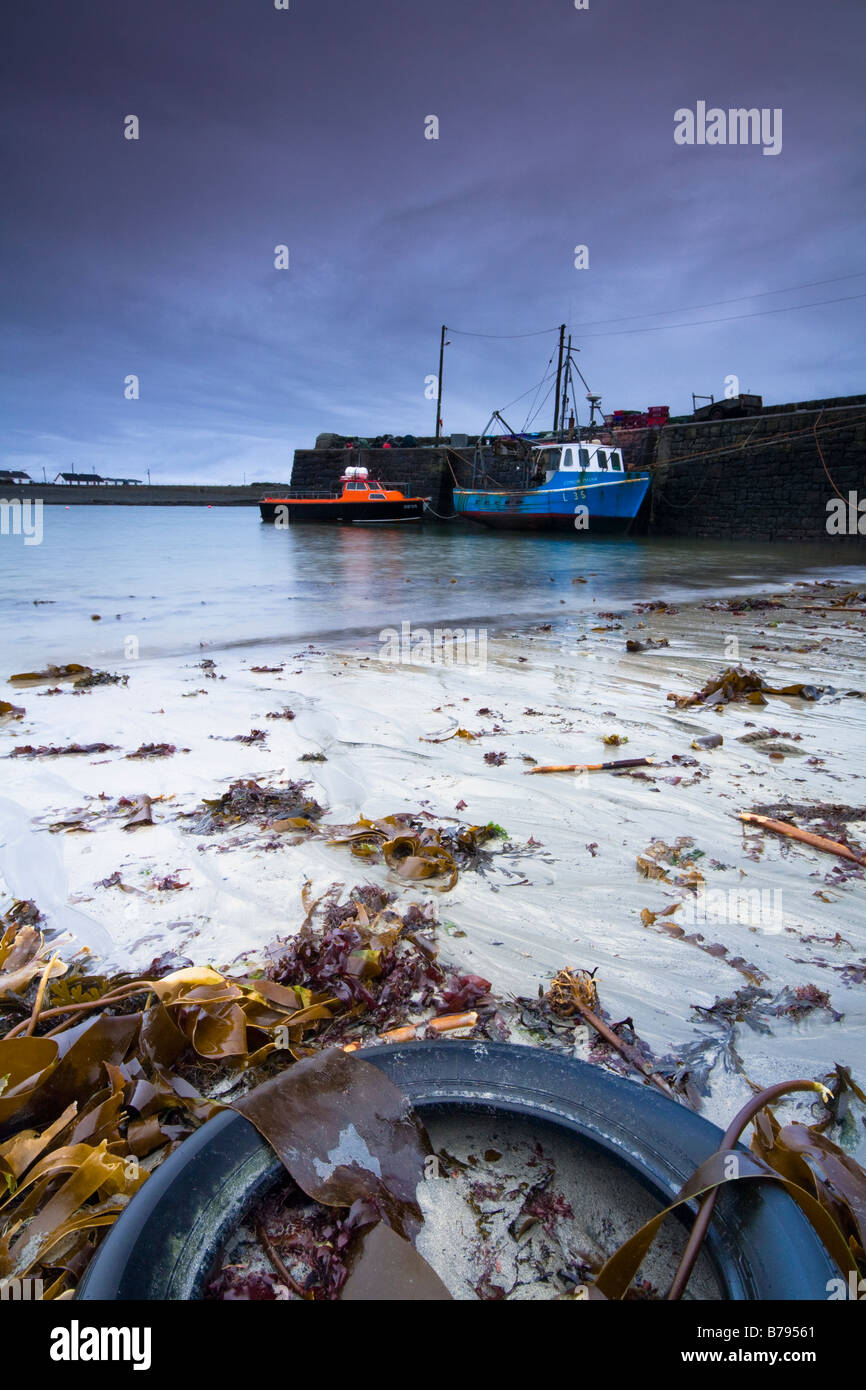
<point x="761" y="1246"/>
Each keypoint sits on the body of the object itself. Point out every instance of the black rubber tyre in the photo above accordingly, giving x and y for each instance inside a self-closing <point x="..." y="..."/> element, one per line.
<point x="165" y="1243"/>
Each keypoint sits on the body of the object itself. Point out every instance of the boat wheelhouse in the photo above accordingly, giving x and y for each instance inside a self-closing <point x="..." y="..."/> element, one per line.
<point x="580" y="486"/>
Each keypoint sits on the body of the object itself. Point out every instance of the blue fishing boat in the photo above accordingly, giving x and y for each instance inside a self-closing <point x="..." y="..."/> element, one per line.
<point x="580" y="487"/>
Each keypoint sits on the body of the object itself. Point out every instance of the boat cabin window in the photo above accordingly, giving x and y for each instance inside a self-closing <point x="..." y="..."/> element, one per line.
<point x="601" y="458"/>
<point x="377" y="496"/>
<point x="548" y="458"/>
<point x="615" y="462"/>
<point x="584" y="458"/>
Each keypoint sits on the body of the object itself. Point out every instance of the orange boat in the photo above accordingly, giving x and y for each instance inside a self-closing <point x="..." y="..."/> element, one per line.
<point x="362" y="499"/>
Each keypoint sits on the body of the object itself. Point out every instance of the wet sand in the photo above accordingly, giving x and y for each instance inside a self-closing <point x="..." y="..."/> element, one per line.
<point x="564" y="889"/>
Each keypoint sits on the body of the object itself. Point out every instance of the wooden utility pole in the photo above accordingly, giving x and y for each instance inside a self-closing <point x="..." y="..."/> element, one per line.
<point x="558" y="378"/>
<point x="439" y="383"/>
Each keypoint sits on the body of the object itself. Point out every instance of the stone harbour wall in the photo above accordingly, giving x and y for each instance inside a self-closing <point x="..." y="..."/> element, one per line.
<point x="759" y="478"/>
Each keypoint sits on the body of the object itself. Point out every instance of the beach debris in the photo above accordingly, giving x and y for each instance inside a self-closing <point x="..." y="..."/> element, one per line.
<point x="735" y="685"/>
<point x="756" y="1005"/>
<point x="654" y="606"/>
<point x="495" y="759"/>
<point x="352" y="1237"/>
<point x="142" y="812"/>
<point x="389" y="1269"/>
<point x="169" y="884"/>
<point x="659" y="858"/>
<point x="434" y="1027"/>
<point x="10" y="711"/>
<point x="794" y="832"/>
<point x="154" y="750"/>
<point x="574" y="991"/>
<point x="23" y="957"/>
<point x="830" y="1188"/>
<point x="117" y="1075"/>
<point x="712" y="948"/>
<point x="82" y="677"/>
<point x="266" y="670"/>
<point x="312" y="758"/>
<point x="590" y="767"/>
<point x="767" y="736"/>
<point x="247" y="801"/>
<point x="115" y="881"/>
<point x="742" y="605"/>
<point x="414" y="851"/>
<point x="27" y="750"/>
<point x="94" y="678"/>
<point x="455" y="733"/>
<point x="707" y="741"/>
<point x="614" y="740"/>
<point x="649" y="644"/>
<point x="254" y="736"/>
<point x="802" y="1154"/>
<point x="306" y="1113"/>
<point x="842" y="1087"/>
<point x="376" y="965"/>
<point x="284" y="713"/>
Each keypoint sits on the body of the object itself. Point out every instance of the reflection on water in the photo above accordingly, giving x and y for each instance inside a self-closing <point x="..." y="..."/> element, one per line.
<point x="179" y="578"/>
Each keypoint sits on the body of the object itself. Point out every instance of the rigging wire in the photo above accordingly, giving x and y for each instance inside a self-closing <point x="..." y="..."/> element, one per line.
<point x="541" y="406"/>
<point x="540" y="384"/>
<point x="526" y="393"/>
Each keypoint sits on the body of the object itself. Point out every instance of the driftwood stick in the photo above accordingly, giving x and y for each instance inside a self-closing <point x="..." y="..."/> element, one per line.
<point x="794" y="832"/>
<point x="116" y="996"/>
<point x="274" y="1257"/>
<point x="630" y="1053"/>
<point x="590" y="767"/>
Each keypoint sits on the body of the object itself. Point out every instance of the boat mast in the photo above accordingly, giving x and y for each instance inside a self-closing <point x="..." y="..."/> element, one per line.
<point x="565" y="385"/>
<point x="558" y="378"/>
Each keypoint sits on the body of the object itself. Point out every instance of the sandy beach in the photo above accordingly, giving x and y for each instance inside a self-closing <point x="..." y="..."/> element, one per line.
<point x="564" y="888"/>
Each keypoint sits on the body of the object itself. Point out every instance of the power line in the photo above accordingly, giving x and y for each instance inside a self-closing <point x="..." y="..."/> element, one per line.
<point x="714" y="303"/>
<point x="540" y="333"/>
<point x="729" y="318"/>
<point x="683" y="309"/>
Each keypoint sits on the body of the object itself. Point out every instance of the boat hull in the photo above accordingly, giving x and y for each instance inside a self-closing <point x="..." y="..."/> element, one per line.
<point x="288" y="511"/>
<point x="583" y="509"/>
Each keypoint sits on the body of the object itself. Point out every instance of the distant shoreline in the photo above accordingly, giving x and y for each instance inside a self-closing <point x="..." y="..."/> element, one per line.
<point x="142" y="495"/>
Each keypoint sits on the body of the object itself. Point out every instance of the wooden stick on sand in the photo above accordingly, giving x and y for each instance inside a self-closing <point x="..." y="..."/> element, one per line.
<point x="590" y="767"/>
<point x="793" y="832"/>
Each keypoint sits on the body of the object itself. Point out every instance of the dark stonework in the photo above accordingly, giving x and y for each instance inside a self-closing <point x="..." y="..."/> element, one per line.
<point x="419" y="472"/>
<point x="757" y="478"/>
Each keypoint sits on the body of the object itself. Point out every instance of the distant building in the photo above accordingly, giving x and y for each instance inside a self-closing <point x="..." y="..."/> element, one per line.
<point x="93" y="479"/>
<point x="11" y="475"/>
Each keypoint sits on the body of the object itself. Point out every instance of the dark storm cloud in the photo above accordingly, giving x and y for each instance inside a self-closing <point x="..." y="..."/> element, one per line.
<point x="306" y="127"/>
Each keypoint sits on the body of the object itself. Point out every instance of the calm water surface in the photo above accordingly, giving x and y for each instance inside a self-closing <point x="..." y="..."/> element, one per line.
<point x="180" y="578"/>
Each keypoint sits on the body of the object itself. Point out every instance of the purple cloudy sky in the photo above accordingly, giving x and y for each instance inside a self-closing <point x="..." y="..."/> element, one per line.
<point x="306" y="127"/>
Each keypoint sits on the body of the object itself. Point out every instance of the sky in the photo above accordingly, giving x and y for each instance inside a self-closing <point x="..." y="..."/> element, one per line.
<point x="306" y="127"/>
